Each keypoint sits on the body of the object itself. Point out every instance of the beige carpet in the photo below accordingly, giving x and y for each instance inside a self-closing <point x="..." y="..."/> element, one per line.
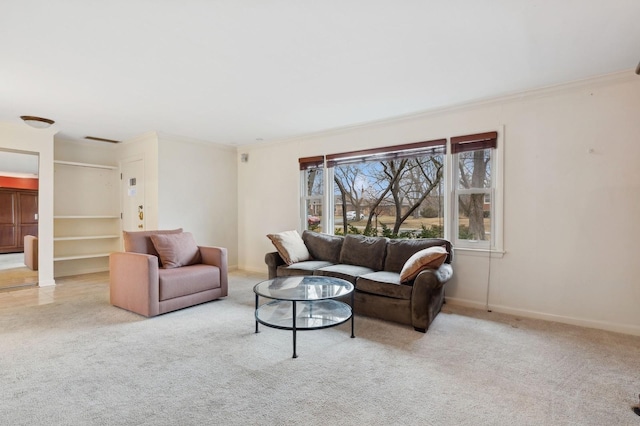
<point x="83" y="362"/>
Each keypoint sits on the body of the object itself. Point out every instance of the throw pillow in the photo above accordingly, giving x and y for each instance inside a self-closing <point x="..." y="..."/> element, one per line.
<point x="290" y="246"/>
<point x="139" y="241"/>
<point x="401" y="249"/>
<point x="176" y="250"/>
<point x="429" y="258"/>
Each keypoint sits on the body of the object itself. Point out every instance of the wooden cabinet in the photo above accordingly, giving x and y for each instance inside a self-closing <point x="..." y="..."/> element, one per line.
<point x="18" y="217"/>
<point x="87" y="225"/>
<point x="28" y="201"/>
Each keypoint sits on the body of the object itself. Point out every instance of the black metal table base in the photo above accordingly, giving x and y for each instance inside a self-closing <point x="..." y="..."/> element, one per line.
<point x="294" y="327"/>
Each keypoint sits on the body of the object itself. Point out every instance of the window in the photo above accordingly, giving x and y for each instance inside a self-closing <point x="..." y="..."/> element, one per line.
<point x="473" y="190"/>
<point x="395" y="191"/>
<point x="311" y="169"/>
<point x="404" y="191"/>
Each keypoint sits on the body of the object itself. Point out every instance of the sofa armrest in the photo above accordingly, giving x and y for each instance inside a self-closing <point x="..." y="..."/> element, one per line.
<point x="273" y="260"/>
<point x="217" y="256"/>
<point x="427" y="295"/>
<point x="133" y="282"/>
<point x="444" y="273"/>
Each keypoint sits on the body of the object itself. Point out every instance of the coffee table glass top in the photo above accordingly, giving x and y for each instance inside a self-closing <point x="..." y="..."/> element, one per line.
<point x="303" y="288"/>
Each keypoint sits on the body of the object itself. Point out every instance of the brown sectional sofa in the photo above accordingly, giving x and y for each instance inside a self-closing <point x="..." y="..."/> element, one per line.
<point x="140" y="284"/>
<point x="373" y="266"/>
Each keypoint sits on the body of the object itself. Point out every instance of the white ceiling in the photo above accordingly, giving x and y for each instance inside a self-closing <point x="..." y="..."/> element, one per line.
<point x="16" y="164"/>
<point x="237" y="71"/>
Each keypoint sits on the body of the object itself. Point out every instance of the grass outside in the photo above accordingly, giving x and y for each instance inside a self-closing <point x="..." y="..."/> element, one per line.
<point x="410" y="223"/>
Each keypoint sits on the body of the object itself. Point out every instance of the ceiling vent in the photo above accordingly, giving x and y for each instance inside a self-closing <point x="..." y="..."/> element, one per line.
<point x="93" y="138"/>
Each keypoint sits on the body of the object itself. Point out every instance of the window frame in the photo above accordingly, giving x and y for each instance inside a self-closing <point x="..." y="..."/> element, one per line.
<point x="496" y="192"/>
<point x="306" y="163"/>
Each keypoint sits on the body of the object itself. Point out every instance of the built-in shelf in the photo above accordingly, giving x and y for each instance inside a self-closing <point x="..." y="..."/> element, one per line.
<point x="80" y="256"/>
<point x="93" y="166"/>
<point x="86" y="217"/>
<point x="86" y="221"/>
<point x="85" y="237"/>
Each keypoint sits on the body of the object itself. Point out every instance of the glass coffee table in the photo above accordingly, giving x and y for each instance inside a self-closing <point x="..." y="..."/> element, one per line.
<point x="303" y="303"/>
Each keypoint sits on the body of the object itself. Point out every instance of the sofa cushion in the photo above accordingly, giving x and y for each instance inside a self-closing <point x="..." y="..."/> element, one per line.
<point x="364" y="251"/>
<point x="346" y="272"/>
<point x="140" y="241"/>
<point x="400" y="250"/>
<point x="176" y="250"/>
<point x="302" y="268"/>
<point x="429" y="258"/>
<point x="384" y="283"/>
<point x="323" y="246"/>
<point x="187" y="280"/>
<point x="290" y="246"/>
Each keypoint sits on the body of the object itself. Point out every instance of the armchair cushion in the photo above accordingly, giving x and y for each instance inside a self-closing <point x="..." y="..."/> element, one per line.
<point x="176" y="250"/>
<point x="177" y="282"/>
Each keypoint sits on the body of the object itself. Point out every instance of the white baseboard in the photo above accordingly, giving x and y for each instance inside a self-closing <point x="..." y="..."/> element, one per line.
<point x="46" y="283"/>
<point x="82" y="271"/>
<point x="255" y="270"/>
<point x="582" y="322"/>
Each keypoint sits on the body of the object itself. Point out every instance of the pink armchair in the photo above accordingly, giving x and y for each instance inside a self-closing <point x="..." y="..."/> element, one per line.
<point x="140" y="284"/>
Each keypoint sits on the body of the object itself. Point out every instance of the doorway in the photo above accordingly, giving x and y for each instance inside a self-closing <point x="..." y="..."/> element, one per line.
<point x="18" y="216"/>
<point x="133" y="205"/>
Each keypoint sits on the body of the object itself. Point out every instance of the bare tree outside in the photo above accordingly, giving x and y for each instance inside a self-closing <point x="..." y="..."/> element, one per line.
<point x="314" y="187"/>
<point x="314" y="181"/>
<point x="350" y="181"/>
<point x="474" y="169"/>
<point x="410" y="187"/>
<point x="390" y="194"/>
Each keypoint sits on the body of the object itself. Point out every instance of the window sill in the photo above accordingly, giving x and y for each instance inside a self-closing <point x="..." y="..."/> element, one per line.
<point x="465" y="251"/>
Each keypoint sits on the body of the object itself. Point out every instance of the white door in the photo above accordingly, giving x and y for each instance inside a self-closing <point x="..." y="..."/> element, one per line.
<point x="133" y="208"/>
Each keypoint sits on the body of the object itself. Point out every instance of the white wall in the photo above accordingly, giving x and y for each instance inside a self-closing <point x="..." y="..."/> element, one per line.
<point x="22" y="138"/>
<point x="86" y="151"/>
<point x="191" y="185"/>
<point x="198" y="192"/>
<point x="571" y="199"/>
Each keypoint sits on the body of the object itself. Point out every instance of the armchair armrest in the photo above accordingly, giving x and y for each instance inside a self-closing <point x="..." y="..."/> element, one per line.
<point x="273" y="260"/>
<point x="217" y="256"/>
<point x="133" y="282"/>
<point x="31" y="252"/>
